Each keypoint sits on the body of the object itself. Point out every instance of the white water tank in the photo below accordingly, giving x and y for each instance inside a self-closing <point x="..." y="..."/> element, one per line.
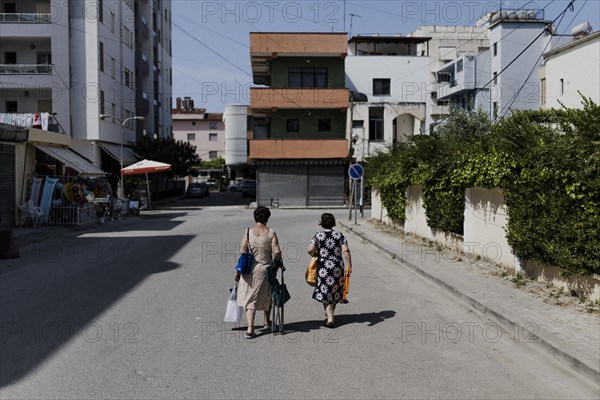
<point x="236" y="134"/>
<point x="581" y="29"/>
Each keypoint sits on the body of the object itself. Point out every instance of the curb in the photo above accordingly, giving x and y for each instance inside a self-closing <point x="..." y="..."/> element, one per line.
<point x="553" y="350"/>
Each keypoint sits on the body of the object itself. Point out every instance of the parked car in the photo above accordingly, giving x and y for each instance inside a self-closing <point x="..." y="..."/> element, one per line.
<point x="211" y="182"/>
<point x="197" y="190"/>
<point x="249" y="189"/>
<point x="235" y="186"/>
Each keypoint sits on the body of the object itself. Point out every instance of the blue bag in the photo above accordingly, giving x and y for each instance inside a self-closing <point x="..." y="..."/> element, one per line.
<point x="244" y="264"/>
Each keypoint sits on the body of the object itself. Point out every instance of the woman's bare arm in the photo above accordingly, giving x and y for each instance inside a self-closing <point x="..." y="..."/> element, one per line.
<point x="347" y="256"/>
<point x="275" y="248"/>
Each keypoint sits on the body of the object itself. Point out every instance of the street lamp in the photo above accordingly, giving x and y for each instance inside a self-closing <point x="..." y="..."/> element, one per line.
<point x="137" y="117"/>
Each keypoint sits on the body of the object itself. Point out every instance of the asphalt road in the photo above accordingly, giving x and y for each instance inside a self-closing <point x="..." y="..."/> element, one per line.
<point x="133" y="309"/>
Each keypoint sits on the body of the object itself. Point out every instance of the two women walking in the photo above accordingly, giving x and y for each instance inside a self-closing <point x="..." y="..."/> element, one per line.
<point x="329" y="246"/>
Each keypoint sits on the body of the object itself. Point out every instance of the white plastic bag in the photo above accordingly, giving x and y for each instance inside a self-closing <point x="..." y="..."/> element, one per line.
<point x="234" y="312"/>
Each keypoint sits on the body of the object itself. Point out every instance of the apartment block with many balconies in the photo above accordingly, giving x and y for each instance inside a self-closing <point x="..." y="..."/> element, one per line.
<point x="299" y="143"/>
<point x="63" y="64"/>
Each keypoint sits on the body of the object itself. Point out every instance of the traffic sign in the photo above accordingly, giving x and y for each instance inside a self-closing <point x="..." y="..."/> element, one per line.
<point x="356" y="171"/>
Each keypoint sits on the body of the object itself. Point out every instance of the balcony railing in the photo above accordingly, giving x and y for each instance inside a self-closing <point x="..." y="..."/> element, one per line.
<point x="36" y="18"/>
<point x="25" y="69"/>
<point x="43" y="120"/>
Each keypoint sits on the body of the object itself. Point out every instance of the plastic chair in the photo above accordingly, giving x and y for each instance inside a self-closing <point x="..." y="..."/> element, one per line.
<point x="46" y="201"/>
<point x="31" y="209"/>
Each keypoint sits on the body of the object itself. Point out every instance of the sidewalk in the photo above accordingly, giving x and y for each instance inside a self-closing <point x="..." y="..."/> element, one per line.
<point x="569" y="335"/>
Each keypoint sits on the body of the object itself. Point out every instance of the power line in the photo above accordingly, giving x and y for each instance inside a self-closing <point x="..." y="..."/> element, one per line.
<point x="507" y="108"/>
<point x="518" y="55"/>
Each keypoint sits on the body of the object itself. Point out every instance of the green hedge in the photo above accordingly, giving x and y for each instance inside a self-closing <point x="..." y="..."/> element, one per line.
<point x="546" y="162"/>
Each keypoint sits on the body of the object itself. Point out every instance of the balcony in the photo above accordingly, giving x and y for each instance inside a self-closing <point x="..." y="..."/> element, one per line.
<point x="44" y="121"/>
<point x="269" y="149"/>
<point x="25" y="69"/>
<point x="295" y="98"/>
<point x="34" y="18"/>
<point x="265" y="47"/>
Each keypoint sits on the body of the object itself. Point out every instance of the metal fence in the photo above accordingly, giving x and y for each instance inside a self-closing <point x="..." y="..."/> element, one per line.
<point x="71" y="215"/>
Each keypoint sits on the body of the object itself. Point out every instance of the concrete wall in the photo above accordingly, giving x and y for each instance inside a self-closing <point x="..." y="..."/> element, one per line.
<point x="416" y="222"/>
<point x="485" y="220"/>
<point x="484" y="235"/>
<point x="587" y="286"/>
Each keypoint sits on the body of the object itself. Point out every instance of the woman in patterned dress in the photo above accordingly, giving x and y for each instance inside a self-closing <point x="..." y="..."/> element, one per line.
<point x="254" y="291"/>
<point x="332" y="250"/>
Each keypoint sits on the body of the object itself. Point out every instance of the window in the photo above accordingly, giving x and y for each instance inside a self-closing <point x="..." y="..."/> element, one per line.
<point x="101" y="56"/>
<point x="381" y="87"/>
<point x="100" y="10"/>
<point x="193" y="122"/>
<point x="127" y="78"/>
<point x="358" y="123"/>
<point x="112" y="21"/>
<point x="11" y="106"/>
<point x="376" y="124"/>
<point x="101" y="100"/>
<point x="307" y="77"/>
<point x="212" y="137"/>
<point x="212" y="155"/>
<point x="112" y="67"/>
<point x="495" y="78"/>
<point x="212" y="125"/>
<point x="324" y="125"/>
<point x="459" y="66"/>
<point x="126" y="34"/>
<point x="10" y="57"/>
<point x="543" y="99"/>
<point x="191" y="136"/>
<point x="562" y="86"/>
<point x="293" y="125"/>
<point x="495" y="111"/>
<point x="495" y="49"/>
<point x="113" y="108"/>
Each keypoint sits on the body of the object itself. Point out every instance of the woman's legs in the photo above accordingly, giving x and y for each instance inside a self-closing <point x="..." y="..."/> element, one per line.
<point x="329" y="310"/>
<point x="250" y="317"/>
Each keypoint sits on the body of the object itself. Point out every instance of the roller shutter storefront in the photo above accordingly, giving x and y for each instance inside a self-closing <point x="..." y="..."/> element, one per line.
<point x="286" y="185"/>
<point x="326" y="185"/>
<point x="300" y="185"/>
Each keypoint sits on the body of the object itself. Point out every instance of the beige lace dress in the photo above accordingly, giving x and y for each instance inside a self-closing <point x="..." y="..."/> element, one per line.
<point x="254" y="291"/>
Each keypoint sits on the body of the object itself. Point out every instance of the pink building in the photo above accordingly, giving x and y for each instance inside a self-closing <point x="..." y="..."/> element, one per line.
<point x="204" y="130"/>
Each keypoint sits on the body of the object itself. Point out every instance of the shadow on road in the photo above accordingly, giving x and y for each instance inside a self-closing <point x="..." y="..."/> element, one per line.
<point x="64" y="288"/>
<point x="372" y="319"/>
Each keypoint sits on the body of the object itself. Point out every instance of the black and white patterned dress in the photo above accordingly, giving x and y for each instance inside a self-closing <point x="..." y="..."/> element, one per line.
<point x="330" y="270"/>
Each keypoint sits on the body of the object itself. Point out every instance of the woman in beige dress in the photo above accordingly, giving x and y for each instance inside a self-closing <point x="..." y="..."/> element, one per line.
<point x="254" y="291"/>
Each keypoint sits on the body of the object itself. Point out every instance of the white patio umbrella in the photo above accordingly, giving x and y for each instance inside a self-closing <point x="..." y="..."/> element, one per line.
<point x="146" y="167"/>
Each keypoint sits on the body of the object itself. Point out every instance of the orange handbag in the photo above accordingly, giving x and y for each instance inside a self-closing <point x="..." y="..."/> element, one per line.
<point x="311" y="272"/>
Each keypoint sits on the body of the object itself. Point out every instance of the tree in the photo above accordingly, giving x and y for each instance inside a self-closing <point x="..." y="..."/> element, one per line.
<point x="181" y="155"/>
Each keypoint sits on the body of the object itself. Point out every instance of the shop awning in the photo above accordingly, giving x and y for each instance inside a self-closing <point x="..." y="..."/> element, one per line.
<point x="72" y="160"/>
<point x="114" y="150"/>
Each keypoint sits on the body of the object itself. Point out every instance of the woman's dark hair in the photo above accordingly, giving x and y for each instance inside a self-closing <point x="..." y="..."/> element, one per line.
<point x="327" y="221"/>
<point x="262" y="214"/>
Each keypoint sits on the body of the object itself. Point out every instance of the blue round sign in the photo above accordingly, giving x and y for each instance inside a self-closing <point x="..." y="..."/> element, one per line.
<point x="356" y="171"/>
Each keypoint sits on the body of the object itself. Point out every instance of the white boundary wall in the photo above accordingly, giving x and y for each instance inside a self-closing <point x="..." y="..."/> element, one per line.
<point x="484" y="235"/>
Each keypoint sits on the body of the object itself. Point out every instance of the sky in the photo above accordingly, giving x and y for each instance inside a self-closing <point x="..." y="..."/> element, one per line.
<point x="211" y="61"/>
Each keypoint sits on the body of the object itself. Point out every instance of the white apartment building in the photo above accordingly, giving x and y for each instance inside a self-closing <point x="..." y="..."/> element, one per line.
<point x="505" y="77"/>
<point x="572" y="69"/>
<point x="446" y="44"/>
<point x="78" y="60"/>
<point x="388" y="80"/>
